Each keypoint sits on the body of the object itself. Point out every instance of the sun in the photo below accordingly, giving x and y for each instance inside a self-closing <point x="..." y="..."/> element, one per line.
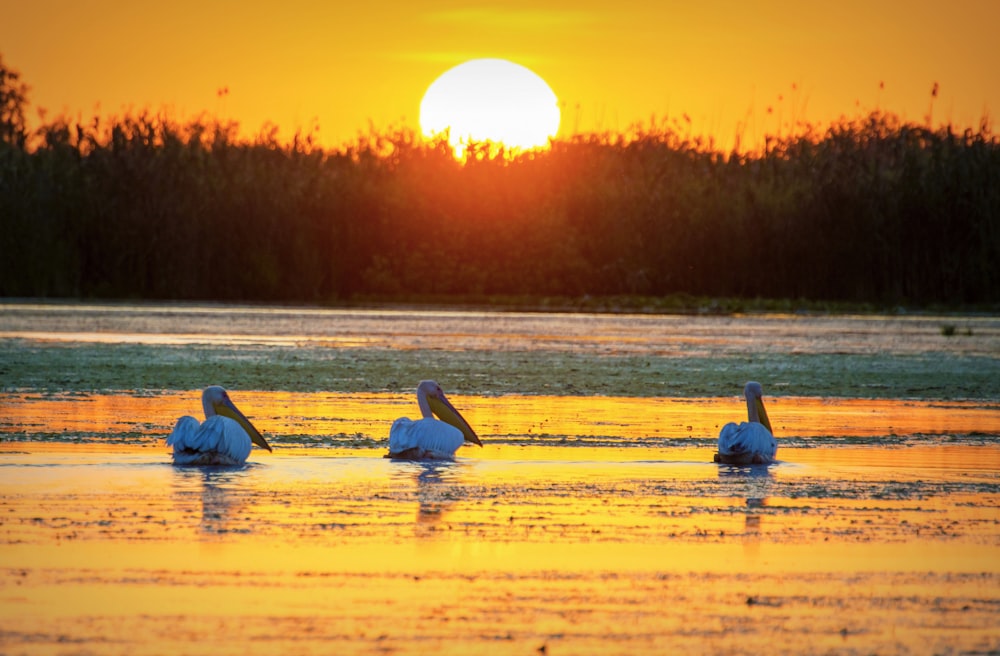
<point x="490" y="100"/>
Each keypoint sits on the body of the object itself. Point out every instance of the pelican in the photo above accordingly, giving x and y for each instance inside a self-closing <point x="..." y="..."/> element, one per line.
<point x="224" y="439"/>
<point x="430" y="438"/>
<point x="752" y="442"/>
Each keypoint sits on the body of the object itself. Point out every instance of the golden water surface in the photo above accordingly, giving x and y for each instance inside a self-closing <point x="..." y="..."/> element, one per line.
<point x="552" y="535"/>
<point x="631" y="420"/>
<point x="584" y="525"/>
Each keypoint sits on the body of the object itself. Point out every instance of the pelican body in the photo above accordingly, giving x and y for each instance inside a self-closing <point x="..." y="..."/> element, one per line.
<point x="225" y="437"/>
<point x="429" y="438"/>
<point x="751" y="442"/>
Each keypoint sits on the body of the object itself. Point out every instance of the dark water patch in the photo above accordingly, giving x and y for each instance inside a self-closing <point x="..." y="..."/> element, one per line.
<point x="76" y="437"/>
<point x="361" y="441"/>
<point x="875" y="490"/>
<point x="888" y="441"/>
<point x="338" y="441"/>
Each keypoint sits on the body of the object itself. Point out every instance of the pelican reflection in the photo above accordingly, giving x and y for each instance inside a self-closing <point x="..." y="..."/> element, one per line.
<point x="223" y="495"/>
<point x="751" y="483"/>
<point x="436" y="483"/>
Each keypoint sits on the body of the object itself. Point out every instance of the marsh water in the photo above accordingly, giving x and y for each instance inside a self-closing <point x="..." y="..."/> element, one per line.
<point x="593" y="519"/>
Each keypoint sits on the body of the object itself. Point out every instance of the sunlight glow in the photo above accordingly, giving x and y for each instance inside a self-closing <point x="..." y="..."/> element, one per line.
<point x="490" y="100"/>
<point x="510" y="417"/>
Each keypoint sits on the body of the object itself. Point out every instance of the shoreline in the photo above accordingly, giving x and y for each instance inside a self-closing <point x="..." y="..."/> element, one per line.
<point x="672" y="305"/>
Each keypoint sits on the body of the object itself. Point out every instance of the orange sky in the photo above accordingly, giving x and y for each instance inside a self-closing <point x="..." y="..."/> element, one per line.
<point x="344" y="66"/>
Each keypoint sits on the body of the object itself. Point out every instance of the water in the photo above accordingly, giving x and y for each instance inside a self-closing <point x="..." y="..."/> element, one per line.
<point x="153" y="348"/>
<point x="592" y="520"/>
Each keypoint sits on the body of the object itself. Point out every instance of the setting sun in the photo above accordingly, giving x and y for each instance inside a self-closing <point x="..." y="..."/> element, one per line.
<point x="490" y="100"/>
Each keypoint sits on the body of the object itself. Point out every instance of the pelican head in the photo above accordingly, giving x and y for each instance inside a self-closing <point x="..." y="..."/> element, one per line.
<point x="215" y="400"/>
<point x="431" y="399"/>
<point x="754" y="393"/>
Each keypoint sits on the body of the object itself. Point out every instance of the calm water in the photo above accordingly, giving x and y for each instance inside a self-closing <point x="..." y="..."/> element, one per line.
<point x="592" y="520"/>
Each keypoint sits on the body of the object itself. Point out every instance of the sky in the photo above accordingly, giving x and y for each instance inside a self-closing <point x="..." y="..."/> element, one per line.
<point x="733" y="68"/>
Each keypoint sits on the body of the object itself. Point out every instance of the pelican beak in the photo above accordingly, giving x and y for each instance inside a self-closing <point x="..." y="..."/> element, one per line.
<point x="227" y="408"/>
<point x="762" y="415"/>
<point x="447" y="413"/>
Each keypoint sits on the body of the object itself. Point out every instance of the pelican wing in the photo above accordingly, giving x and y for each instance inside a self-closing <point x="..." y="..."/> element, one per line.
<point x="424" y="438"/>
<point x="218" y="441"/>
<point x="746" y="443"/>
<point x="184" y="432"/>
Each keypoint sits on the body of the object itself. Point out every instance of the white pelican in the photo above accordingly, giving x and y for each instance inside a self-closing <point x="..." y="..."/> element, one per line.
<point x="751" y="442"/>
<point x="429" y="438"/>
<point x="224" y="439"/>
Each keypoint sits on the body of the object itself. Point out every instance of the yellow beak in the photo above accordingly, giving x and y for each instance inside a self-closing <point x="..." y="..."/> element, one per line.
<point x="762" y="415"/>
<point x="447" y="413"/>
<point x="227" y="409"/>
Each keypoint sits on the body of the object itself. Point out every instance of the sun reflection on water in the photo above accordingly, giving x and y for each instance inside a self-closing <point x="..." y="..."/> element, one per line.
<point x="511" y="419"/>
<point x="113" y="531"/>
<point x="584" y="524"/>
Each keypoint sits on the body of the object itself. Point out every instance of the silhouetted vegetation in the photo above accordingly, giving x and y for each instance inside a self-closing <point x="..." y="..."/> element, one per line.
<point x="872" y="210"/>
